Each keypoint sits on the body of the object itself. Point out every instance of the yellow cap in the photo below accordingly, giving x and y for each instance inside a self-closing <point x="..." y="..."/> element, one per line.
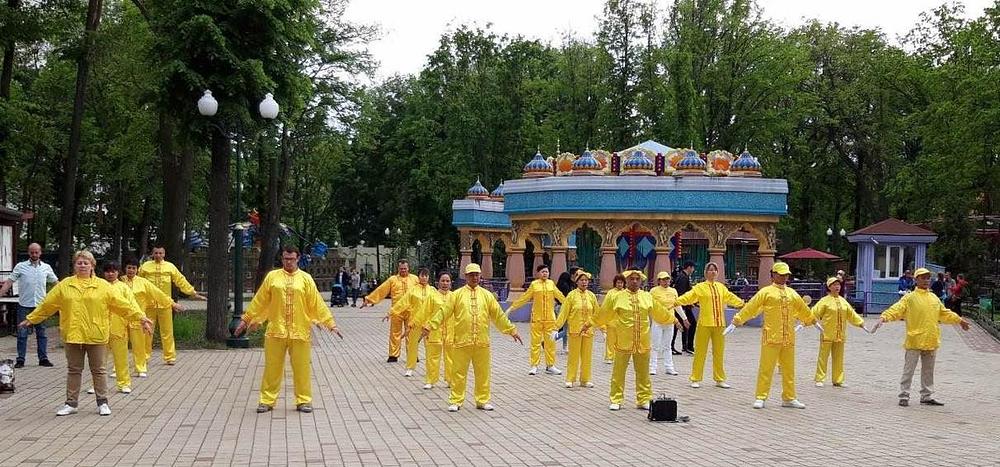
<point x="632" y="272"/>
<point x="473" y="268"/>
<point x="831" y="280"/>
<point x="921" y="272"/>
<point x="581" y="273"/>
<point x="781" y="268"/>
<point x="663" y="275"/>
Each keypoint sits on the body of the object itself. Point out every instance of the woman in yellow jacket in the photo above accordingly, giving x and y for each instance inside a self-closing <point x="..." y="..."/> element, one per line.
<point x="833" y="313"/>
<point x="609" y="329"/>
<point x="781" y="307"/>
<point x="542" y="293"/>
<point x="415" y="308"/>
<point x="150" y="297"/>
<point x="85" y="304"/>
<point x="633" y="308"/>
<point x="447" y="337"/>
<point x="712" y="298"/>
<point x="922" y="311"/>
<point x="470" y="310"/>
<point x="290" y="303"/>
<point x="579" y="310"/>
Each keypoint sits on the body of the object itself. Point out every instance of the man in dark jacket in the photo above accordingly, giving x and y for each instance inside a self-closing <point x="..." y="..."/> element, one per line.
<point x="683" y="284"/>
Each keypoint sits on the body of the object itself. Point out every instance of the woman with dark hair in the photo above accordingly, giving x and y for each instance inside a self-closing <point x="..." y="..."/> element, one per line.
<point x="712" y="297"/>
<point x="414" y="308"/>
<point x="543" y="294"/>
<point x="609" y="329"/>
<point x="833" y="313"/>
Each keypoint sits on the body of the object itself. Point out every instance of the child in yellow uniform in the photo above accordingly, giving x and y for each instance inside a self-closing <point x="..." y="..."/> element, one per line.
<point x="542" y="293"/>
<point x="833" y="313"/>
<point x="712" y="298"/>
<point x="609" y="329"/>
<point x="579" y="310"/>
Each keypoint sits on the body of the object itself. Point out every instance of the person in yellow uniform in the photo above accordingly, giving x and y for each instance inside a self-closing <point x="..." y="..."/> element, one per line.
<point x="922" y="311"/>
<point x="470" y="310"/>
<point x="394" y="287"/>
<point x="414" y="308"/>
<point x="661" y="335"/>
<point x="289" y="301"/>
<point x="633" y="309"/>
<point x="149" y="297"/>
<point x="579" y="309"/>
<point x="609" y="329"/>
<point x="163" y="274"/>
<point x="85" y="304"/>
<point x="543" y="294"/>
<point x="781" y="307"/>
<point x="833" y="313"/>
<point x="712" y="298"/>
<point x="447" y="337"/>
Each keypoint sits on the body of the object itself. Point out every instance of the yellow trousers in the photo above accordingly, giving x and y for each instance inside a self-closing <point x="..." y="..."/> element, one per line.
<point x="542" y="332"/>
<point x="395" y="335"/>
<point x="702" y="336"/>
<point x="643" y="386"/>
<point x="769" y="356"/>
<point x="119" y="353"/>
<point x="449" y="363"/>
<point x="581" y="352"/>
<point x="825" y="349"/>
<point x="412" y="349"/>
<point x="275" y="349"/>
<point x="480" y="359"/>
<point x="138" y="340"/>
<point x="164" y="318"/>
<point x="609" y="343"/>
<point x="432" y="362"/>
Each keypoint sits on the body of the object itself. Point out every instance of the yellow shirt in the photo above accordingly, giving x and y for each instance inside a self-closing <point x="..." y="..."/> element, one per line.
<point x="833" y="313"/>
<point x="119" y="327"/>
<point x="632" y="312"/>
<point x="470" y="311"/>
<point x="417" y="306"/>
<point x="579" y="309"/>
<point x="922" y="311"/>
<point x="446" y="336"/>
<point x="163" y="274"/>
<point x="85" y="307"/>
<point x="608" y="298"/>
<point x="147" y="294"/>
<point x="393" y="287"/>
<point x="781" y="307"/>
<point x="712" y="298"/>
<point x="290" y="303"/>
<point x="542" y="294"/>
<point x="667" y="295"/>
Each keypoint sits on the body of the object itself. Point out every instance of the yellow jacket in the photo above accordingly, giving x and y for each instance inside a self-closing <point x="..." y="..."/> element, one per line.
<point x="632" y="312"/>
<point x="712" y="298"/>
<point x="147" y="294"/>
<point x="119" y="327"/>
<point x="447" y="338"/>
<point x="608" y="298"/>
<point x="833" y="313"/>
<point x="417" y="306"/>
<point x="393" y="287"/>
<point x="578" y="309"/>
<point x="781" y="307"/>
<point x="85" y="307"/>
<point x="163" y="274"/>
<point x="290" y="304"/>
<point x="667" y="295"/>
<point x="470" y="311"/>
<point x="542" y="294"/>
<point x="922" y="311"/>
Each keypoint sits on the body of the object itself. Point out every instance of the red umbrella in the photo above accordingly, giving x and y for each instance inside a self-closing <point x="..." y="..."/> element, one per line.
<point x="809" y="253"/>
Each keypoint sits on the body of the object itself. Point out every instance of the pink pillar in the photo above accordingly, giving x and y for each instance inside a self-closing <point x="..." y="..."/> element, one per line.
<point x="515" y="269"/>
<point x="764" y="271"/>
<point x="466" y="259"/>
<point x="487" y="265"/>
<point x="608" y="267"/>
<point x="662" y="260"/>
<point x="538" y="262"/>
<point x="558" y="262"/>
<point x="718" y="256"/>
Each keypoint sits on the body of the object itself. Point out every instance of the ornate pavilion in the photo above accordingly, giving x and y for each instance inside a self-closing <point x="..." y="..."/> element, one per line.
<point x="648" y="208"/>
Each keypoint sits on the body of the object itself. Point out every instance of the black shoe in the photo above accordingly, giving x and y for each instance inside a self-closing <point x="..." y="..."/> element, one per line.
<point x="304" y="408"/>
<point x="931" y="402"/>
<point x="904" y="402"/>
<point x="392" y="360"/>
<point x="674" y="352"/>
<point x="45" y="362"/>
<point x="19" y="364"/>
<point x="264" y="408"/>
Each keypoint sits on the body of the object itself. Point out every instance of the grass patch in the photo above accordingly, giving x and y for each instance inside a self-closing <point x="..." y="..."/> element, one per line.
<point x="189" y="333"/>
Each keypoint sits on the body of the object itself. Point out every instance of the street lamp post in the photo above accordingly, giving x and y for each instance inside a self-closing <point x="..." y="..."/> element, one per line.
<point x="268" y="109"/>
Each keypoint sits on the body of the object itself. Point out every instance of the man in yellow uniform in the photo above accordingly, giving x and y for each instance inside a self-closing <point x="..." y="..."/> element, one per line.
<point x="149" y="297"/>
<point x="542" y="293"/>
<point x="609" y="328"/>
<point x="633" y="309"/>
<point x="922" y="311"/>
<point x="833" y="312"/>
<point x="163" y="274"/>
<point x="470" y="310"/>
<point x="394" y="287"/>
<point x="414" y="308"/>
<point x="289" y="301"/>
<point x="661" y="334"/>
<point x="712" y="298"/>
<point x="781" y="307"/>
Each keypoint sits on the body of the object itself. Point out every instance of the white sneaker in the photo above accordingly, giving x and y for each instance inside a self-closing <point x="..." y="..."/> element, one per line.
<point x="672" y="372"/>
<point x="643" y="406"/>
<point x="794" y="404"/>
<point x="588" y="384"/>
<point x="819" y="384"/>
<point x="453" y="408"/>
<point x="758" y="404"/>
<point x="143" y="374"/>
<point x="428" y="386"/>
<point x="113" y="375"/>
<point x="652" y="372"/>
<point x="125" y="390"/>
<point x="104" y="410"/>
<point x="568" y="384"/>
<point x="66" y="410"/>
<point x="840" y="385"/>
<point x="408" y="373"/>
<point x="695" y="385"/>
<point x="487" y="407"/>
<point x="533" y="370"/>
<point x="608" y="362"/>
<point x="722" y="385"/>
<point x="91" y="391"/>
<point x="553" y="370"/>
<point x="615" y="407"/>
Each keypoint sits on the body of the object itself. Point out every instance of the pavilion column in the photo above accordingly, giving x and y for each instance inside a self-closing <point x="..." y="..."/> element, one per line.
<point x="662" y="262"/>
<point x="558" y="262"/>
<point x="766" y="258"/>
<point x="538" y="260"/>
<point x="466" y="259"/>
<point x="487" y="265"/>
<point x="515" y="269"/>
<point x="608" y="267"/>
<point x="718" y="256"/>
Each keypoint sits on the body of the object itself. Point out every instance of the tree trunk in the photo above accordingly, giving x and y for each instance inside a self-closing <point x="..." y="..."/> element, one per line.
<point x="68" y="215"/>
<point x="277" y="182"/>
<point x="6" y="77"/>
<point x="177" y="178"/>
<point x="217" y="318"/>
<point x="142" y="230"/>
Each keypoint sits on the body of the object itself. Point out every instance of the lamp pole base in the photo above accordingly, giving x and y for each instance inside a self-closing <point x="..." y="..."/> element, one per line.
<point x="238" y="343"/>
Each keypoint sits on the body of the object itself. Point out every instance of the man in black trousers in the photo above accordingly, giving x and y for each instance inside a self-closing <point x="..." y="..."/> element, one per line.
<point x="682" y="282"/>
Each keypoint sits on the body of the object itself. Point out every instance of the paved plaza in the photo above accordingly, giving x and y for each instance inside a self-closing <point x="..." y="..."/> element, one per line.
<point x="202" y="411"/>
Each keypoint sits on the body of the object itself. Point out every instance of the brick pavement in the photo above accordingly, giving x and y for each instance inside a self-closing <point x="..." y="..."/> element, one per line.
<point x="201" y="412"/>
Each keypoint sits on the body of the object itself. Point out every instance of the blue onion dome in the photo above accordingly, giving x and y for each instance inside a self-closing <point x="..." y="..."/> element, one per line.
<point x="638" y="164"/>
<point x="538" y="167"/>
<point x="691" y="163"/>
<point x="746" y="165"/>
<point x="477" y="191"/>
<point x="497" y="192"/>
<point x="586" y="164"/>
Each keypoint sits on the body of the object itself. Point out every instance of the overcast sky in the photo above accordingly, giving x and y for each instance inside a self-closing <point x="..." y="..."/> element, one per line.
<point x="410" y="29"/>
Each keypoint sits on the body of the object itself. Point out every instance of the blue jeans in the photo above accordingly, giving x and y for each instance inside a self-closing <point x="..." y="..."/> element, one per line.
<point x="22" y="336"/>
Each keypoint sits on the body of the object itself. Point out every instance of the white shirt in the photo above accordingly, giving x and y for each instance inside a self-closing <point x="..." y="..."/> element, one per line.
<point x="31" y="281"/>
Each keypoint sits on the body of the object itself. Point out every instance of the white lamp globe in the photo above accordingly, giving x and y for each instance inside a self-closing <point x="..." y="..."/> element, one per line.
<point x="268" y="107"/>
<point x="207" y="105"/>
